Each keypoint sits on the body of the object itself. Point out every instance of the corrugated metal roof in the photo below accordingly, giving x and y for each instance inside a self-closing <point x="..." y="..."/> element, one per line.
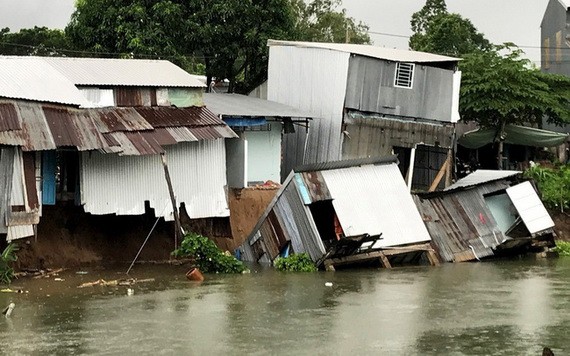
<point x="374" y="200"/>
<point x="32" y="78"/>
<point x="370" y="51"/>
<point x="170" y="117"/>
<point x="346" y="163"/>
<point x="530" y="208"/>
<point x="111" y="130"/>
<point x="481" y="176"/>
<point x="242" y="105"/>
<point x="123" y="72"/>
<point x="9" y="117"/>
<point x="565" y="3"/>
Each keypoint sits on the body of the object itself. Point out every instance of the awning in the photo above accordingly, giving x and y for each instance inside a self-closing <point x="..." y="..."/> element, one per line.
<point x="515" y="135"/>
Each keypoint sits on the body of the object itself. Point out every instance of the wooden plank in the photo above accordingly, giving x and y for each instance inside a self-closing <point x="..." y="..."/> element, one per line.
<point x="444" y="167"/>
<point x="432" y="258"/>
<point x="384" y="261"/>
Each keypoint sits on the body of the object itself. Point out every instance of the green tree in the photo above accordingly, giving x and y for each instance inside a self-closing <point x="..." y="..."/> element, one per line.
<point x="322" y="21"/>
<point x="500" y="89"/>
<point x="38" y="41"/>
<point x="437" y="31"/>
<point x="228" y="37"/>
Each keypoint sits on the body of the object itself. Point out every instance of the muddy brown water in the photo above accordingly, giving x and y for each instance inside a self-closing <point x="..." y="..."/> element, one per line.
<point x="491" y="308"/>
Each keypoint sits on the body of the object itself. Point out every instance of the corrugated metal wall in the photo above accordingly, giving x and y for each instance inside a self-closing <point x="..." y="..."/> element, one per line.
<point x="264" y="154"/>
<point x="461" y="224"/>
<point x="6" y="176"/>
<point x="313" y="80"/>
<point x="371" y="88"/>
<point x="374" y="200"/>
<point x="112" y="184"/>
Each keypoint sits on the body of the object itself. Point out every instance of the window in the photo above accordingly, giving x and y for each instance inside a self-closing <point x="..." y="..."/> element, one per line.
<point x="404" y="75"/>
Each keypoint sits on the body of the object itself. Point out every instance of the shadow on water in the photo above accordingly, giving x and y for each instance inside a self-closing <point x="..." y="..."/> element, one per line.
<point x="492" y="308"/>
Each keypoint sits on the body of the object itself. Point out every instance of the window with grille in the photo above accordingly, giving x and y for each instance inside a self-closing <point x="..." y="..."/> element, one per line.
<point x="404" y="75"/>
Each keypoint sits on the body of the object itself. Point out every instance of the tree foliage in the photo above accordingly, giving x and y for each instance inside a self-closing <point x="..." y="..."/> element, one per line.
<point x="37" y="41"/>
<point x="499" y="89"/>
<point x="322" y="21"/>
<point x="437" y="31"/>
<point x="229" y="37"/>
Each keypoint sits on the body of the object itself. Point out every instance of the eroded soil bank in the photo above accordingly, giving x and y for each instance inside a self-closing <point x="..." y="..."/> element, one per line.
<point x="68" y="237"/>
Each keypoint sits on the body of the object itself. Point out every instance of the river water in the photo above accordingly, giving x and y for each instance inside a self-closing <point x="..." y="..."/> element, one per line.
<point x="491" y="308"/>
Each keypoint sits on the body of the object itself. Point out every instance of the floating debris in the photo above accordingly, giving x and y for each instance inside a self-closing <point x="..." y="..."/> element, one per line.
<point x="328" y="284"/>
<point x="8" y="310"/>
<point x="130" y="291"/>
<point x="115" y="282"/>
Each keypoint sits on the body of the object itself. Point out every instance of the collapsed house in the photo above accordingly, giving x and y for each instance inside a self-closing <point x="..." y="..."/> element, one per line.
<point x="92" y="132"/>
<point x="485" y="214"/>
<point x="373" y="102"/>
<point x="339" y="213"/>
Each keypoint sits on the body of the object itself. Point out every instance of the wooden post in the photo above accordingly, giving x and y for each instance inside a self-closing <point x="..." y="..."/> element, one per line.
<point x="432" y="258"/>
<point x="177" y="226"/>
<point x="444" y="167"/>
<point x="449" y="169"/>
<point x="411" y="168"/>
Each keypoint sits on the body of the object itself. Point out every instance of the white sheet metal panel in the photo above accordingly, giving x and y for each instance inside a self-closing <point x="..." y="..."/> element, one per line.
<point x="18" y="196"/>
<point x="530" y="207"/>
<point x="31" y="78"/>
<point x="374" y="199"/>
<point x="123" y="72"/>
<point x="19" y="232"/>
<point x="98" y="98"/>
<point x="391" y="54"/>
<point x="120" y="185"/>
<point x="481" y="176"/>
<point x="313" y="80"/>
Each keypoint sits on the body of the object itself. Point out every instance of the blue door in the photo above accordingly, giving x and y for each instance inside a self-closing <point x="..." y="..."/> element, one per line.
<point x="49" y="166"/>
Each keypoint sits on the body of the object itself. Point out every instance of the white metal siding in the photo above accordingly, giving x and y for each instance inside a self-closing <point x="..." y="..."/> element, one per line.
<point x="112" y="184"/>
<point x="19" y="232"/>
<point x="98" y="98"/>
<point x="313" y="80"/>
<point x="375" y="200"/>
<point x="530" y="208"/>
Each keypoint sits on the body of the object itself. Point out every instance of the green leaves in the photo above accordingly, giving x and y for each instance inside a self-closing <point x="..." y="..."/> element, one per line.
<point x="6" y="258"/>
<point x="553" y="185"/>
<point x="207" y="256"/>
<point x="503" y="88"/>
<point x="300" y="262"/>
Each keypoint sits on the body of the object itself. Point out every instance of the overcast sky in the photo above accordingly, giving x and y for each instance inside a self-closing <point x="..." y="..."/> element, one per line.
<point x="501" y="21"/>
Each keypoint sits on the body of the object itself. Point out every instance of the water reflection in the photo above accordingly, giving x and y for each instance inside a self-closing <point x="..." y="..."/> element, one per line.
<point x="501" y="308"/>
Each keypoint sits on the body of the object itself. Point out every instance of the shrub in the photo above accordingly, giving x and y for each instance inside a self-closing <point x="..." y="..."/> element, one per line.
<point x="207" y="256"/>
<point x="300" y="262"/>
<point x="553" y="185"/>
<point x="563" y="248"/>
<point x="6" y="270"/>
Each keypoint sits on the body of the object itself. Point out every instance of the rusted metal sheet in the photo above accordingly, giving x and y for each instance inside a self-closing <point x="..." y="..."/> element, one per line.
<point x="110" y="130"/>
<point x="129" y="96"/>
<point x="461" y="225"/>
<point x="29" y="159"/>
<point x="75" y="128"/>
<point x="119" y="119"/>
<point x="317" y="186"/>
<point x="172" y="117"/>
<point x="9" y="117"/>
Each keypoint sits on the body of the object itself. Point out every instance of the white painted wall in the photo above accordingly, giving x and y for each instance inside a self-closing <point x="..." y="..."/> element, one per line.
<point x="264" y="154"/>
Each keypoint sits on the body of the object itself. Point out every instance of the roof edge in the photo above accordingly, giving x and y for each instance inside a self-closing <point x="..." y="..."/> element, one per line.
<point x="346" y="164"/>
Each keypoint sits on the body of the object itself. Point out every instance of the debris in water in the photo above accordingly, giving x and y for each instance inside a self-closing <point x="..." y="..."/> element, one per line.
<point x="81" y="272"/>
<point x="9" y="309"/>
<point x="59" y="279"/>
<point x="115" y="282"/>
<point x="130" y="291"/>
<point x="195" y="275"/>
<point x="328" y="284"/>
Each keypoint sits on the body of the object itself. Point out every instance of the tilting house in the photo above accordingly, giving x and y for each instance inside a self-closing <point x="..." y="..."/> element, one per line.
<point x="373" y="101"/>
<point x="484" y="214"/>
<point x="341" y="213"/>
<point x="92" y="132"/>
<point x="260" y="124"/>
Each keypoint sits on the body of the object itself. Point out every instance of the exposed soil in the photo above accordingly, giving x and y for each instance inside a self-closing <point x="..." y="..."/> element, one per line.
<point x="562" y="225"/>
<point x="68" y="237"/>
